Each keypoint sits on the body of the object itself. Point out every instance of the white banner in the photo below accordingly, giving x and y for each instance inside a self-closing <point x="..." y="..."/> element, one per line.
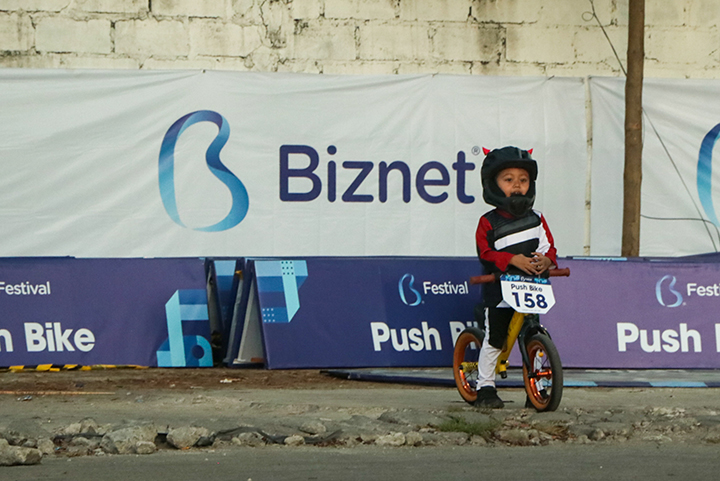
<point x="678" y="195"/>
<point x="162" y="164"/>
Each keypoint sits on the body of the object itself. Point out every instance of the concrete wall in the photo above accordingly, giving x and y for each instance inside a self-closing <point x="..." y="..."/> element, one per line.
<point x="481" y="37"/>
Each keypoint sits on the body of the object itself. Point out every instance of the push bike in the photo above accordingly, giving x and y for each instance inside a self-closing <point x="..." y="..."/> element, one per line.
<point x="542" y="369"/>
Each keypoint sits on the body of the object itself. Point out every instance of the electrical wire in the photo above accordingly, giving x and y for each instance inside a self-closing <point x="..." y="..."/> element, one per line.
<point x="687" y="189"/>
<point x="676" y="218"/>
<point x="612" y="46"/>
<point x="593" y="14"/>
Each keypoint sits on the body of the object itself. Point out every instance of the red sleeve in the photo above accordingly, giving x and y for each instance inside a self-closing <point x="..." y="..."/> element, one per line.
<point x="500" y="259"/>
<point x="552" y="252"/>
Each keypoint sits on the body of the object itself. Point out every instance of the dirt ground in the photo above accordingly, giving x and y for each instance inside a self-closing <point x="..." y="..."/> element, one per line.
<point x="114" y="379"/>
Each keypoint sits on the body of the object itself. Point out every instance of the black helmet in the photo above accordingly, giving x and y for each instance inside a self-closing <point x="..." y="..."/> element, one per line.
<point x="505" y="158"/>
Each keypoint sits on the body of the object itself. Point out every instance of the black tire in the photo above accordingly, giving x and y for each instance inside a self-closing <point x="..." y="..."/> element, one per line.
<point x="465" y="361"/>
<point x="544" y="384"/>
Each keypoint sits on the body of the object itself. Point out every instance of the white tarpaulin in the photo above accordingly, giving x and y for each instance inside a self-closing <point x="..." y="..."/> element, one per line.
<point x="137" y="163"/>
<point x="679" y="187"/>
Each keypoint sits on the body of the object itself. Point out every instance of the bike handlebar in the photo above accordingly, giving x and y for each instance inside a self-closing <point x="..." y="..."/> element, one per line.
<point x="488" y="278"/>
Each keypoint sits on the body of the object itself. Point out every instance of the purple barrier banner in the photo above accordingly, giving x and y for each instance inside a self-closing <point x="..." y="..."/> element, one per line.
<point x="357" y="312"/>
<point x="637" y="314"/>
<point x="150" y="312"/>
<point x="392" y="312"/>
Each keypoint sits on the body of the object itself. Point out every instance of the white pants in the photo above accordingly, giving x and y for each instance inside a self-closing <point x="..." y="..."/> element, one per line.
<point x="487" y="360"/>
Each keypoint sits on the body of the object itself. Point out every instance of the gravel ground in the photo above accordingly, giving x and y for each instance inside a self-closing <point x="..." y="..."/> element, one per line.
<point x="143" y="411"/>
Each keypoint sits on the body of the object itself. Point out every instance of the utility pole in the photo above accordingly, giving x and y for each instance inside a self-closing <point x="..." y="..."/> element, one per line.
<point x="632" y="177"/>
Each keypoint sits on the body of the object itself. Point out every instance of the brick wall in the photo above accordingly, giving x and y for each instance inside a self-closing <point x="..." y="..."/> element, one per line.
<point x="488" y="37"/>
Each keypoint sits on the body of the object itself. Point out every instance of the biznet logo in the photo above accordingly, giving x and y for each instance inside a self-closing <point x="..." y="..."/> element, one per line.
<point x="413" y="298"/>
<point x="704" y="173"/>
<point x="305" y="177"/>
<point x="410" y="296"/>
<point x="431" y="181"/>
<point x="673" y="298"/>
<point x="166" y="170"/>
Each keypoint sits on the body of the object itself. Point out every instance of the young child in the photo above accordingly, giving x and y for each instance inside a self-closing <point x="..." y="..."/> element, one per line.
<point x="510" y="238"/>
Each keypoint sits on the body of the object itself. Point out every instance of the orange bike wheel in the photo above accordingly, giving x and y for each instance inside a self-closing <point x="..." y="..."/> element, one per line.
<point x="465" y="362"/>
<point x="544" y="385"/>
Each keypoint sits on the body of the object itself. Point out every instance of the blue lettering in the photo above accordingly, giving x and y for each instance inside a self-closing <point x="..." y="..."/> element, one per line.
<point x="430" y="174"/>
<point x="365" y="168"/>
<point x="332" y="181"/>
<point x="286" y="173"/>
<point x="461" y="167"/>
<point x="421" y="182"/>
<point x="403" y="168"/>
<point x="332" y="175"/>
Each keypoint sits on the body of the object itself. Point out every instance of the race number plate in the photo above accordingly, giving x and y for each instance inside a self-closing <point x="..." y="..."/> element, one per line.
<point x="529" y="295"/>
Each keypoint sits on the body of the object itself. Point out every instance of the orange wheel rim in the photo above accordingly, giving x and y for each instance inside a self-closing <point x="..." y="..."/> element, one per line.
<point x="538" y="393"/>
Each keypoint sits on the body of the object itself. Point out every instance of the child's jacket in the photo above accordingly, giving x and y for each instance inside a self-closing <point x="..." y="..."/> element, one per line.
<point x="500" y="236"/>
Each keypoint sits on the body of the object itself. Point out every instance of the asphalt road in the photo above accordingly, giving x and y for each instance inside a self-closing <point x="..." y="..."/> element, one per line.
<point x="233" y="406"/>
<point x="396" y="464"/>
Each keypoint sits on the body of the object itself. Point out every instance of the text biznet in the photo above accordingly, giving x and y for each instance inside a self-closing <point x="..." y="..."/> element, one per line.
<point x="430" y="180"/>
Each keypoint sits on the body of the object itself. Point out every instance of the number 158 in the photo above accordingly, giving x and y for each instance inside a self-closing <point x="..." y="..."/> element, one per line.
<point x="529" y="301"/>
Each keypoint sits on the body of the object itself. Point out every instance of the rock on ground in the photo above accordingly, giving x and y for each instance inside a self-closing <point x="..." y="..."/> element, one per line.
<point x="17" y="455"/>
<point x="186" y="436"/>
<point x="125" y="440"/>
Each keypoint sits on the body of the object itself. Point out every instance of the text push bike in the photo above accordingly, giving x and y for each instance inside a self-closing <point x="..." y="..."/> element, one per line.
<point x="542" y="369"/>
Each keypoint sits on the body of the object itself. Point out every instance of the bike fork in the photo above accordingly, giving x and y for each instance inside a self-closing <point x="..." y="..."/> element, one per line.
<point x="530" y="327"/>
<point x="516" y="324"/>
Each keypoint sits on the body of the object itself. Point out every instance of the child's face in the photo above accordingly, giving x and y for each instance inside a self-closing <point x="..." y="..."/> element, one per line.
<point x="513" y="181"/>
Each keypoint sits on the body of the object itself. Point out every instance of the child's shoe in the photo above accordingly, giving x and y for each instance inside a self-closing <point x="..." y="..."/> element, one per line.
<point x="487" y="398"/>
